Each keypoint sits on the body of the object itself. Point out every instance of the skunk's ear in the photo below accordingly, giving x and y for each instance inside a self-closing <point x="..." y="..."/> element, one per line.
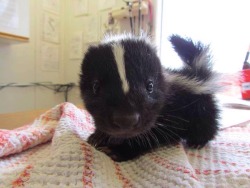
<point x="186" y="48"/>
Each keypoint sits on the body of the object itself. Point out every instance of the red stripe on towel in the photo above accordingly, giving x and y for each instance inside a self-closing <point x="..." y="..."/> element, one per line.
<point x="87" y="169"/>
<point x="171" y="166"/>
<point x="23" y="177"/>
<point x="125" y="181"/>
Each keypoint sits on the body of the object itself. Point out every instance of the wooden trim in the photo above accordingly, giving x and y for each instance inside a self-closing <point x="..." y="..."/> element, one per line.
<point x="18" y="119"/>
<point x="13" y="37"/>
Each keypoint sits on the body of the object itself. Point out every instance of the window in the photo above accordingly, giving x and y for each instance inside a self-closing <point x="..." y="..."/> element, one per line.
<point x="224" y="24"/>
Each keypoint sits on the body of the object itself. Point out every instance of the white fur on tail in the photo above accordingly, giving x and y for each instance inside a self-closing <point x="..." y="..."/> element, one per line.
<point x="196" y="85"/>
<point x="193" y="85"/>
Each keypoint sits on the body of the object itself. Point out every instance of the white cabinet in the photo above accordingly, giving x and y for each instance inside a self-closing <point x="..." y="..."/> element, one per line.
<point x="14" y="19"/>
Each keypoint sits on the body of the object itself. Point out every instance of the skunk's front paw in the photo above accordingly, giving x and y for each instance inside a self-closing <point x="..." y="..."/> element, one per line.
<point x="196" y="144"/>
<point x="114" y="155"/>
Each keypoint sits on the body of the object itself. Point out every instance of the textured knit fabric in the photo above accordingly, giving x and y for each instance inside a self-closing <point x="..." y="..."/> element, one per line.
<point x="53" y="152"/>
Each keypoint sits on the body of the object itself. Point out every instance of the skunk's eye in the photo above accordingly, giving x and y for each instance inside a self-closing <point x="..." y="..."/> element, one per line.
<point x="96" y="87"/>
<point x="150" y="86"/>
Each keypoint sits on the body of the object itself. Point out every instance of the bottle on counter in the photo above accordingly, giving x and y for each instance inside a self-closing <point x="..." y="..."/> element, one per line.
<point x="246" y="64"/>
<point x="245" y="77"/>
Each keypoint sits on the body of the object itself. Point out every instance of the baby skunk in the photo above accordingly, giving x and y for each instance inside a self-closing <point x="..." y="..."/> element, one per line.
<point x="137" y="105"/>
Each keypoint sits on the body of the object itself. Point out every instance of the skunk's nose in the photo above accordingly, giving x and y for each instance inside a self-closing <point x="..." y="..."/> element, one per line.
<point x="126" y="120"/>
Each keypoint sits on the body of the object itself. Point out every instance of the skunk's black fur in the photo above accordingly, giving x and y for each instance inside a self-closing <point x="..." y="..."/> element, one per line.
<point x="138" y="105"/>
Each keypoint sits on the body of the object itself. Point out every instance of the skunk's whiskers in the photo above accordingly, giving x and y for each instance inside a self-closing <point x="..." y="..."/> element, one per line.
<point x="162" y="133"/>
<point x="172" y="131"/>
<point x="185" y="106"/>
<point x="177" y="118"/>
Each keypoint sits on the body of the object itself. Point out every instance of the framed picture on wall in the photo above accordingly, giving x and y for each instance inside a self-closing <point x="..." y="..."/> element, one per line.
<point x="76" y="45"/>
<point x="92" y="29"/>
<point x="52" y="6"/>
<point x="80" y="7"/>
<point x="49" y="57"/>
<point x="51" y="27"/>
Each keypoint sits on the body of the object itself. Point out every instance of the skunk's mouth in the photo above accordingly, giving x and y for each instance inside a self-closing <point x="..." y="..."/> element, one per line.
<point x="108" y="126"/>
<point x="125" y="133"/>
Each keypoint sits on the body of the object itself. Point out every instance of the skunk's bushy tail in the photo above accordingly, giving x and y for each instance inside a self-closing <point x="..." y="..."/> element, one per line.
<point x="197" y="64"/>
<point x="186" y="48"/>
<point x="195" y="55"/>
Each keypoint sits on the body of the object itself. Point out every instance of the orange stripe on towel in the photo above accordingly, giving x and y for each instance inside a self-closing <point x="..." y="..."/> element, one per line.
<point x="171" y="166"/>
<point x="87" y="170"/>
<point x="125" y="181"/>
<point x="23" y="177"/>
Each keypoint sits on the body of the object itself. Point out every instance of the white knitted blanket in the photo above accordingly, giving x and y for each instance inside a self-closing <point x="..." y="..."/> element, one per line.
<point x="53" y="152"/>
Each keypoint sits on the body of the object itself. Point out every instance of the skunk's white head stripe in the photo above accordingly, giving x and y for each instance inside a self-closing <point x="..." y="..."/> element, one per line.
<point x="109" y="38"/>
<point x="118" y="52"/>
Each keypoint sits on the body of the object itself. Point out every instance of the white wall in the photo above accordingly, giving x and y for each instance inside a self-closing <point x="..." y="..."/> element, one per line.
<point x="21" y="63"/>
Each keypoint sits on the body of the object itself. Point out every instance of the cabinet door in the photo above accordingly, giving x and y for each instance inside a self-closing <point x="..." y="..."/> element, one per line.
<point x="14" y="19"/>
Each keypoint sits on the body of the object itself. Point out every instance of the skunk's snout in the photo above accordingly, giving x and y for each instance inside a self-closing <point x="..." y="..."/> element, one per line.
<point x="126" y="121"/>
